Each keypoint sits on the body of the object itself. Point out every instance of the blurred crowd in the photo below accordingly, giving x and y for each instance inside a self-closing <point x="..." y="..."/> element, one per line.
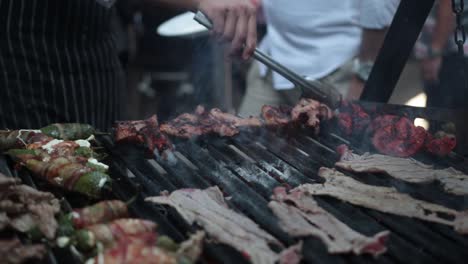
<point x="334" y="41"/>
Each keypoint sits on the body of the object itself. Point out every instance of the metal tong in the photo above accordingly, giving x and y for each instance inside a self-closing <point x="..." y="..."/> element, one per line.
<point x="310" y="89"/>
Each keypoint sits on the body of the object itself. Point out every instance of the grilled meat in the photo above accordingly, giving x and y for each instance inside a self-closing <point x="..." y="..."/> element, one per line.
<point x="203" y="123"/>
<point x="141" y="249"/>
<point x="13" y="252"/>
<point x="98" y="213"/>
<point x="112" y="232"/>
<point x="310" y="112"/>
<point x="16" y="139"/>
<point x="384" y="199"/>
<point x="208" y="209"/>
<point x="300" y="216"/>
<point x="397" y="136"/>
<point x="276" y="116"/>
<point x="24" y="208"/>
<point x="233" y="120"/>
<point x="144" y="132"/>
<point x="405" y="169"/>
<point x="352" y="119"/>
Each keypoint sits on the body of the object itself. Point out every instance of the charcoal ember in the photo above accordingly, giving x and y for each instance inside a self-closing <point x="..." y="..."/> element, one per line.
<point x="397" y="136"/>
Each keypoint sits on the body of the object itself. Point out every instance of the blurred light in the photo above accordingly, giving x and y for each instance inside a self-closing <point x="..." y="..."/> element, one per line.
<point x="421" y="122"/>
<point x="419" y="100"/>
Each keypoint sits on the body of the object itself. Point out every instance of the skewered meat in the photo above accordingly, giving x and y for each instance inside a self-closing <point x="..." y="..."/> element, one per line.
<point x="145" y="132"/>
<point x="69" y="131"/>
<point x="13" y="252"/>
<point x="112" y="232"/>
<point x="21" y="138"/>
<point x="300" y="216"/>
<point x="208" y="209"/>
<point x="276" y="116"/>
<point x="67" y="173"/>
<point x="384" y="199"/>
<point x="397" y="136"/>
<point x="98" y="213"/>
<point x="405" y="169"/>
<point x="24" y="208"/>
<point x="141" y="249"/>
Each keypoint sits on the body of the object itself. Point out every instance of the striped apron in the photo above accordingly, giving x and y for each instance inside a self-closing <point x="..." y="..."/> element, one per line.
<point x="58" y="63"/>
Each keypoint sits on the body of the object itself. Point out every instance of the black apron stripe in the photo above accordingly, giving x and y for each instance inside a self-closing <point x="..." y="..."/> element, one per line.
<point x="57" y="63"/>
<point x="44" y="115"/>
<point x="15" y="68"/>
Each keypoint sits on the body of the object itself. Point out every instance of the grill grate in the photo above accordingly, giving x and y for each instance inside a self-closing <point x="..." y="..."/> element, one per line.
<point x="249" y="166"/>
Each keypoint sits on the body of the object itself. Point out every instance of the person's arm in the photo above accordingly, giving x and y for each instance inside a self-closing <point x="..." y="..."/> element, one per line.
<point x="442" y="31"/>
<point x="234" y="21"/>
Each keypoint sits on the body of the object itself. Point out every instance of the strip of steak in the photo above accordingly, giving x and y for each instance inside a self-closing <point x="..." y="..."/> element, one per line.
<point x="208" y="209"/>
<point x="14" y="252"/>
<point x="384" y="199"/>
<point x="300" y="215"/>
<point x="25" y="208"/>
<point x="406" y="169"/>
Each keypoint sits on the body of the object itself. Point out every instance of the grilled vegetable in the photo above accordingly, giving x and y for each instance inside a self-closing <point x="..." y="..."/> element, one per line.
<point x="110" y="233"/>
<point x="70" y="175"/>
<point x="99" y="213"/>
<point x="69" y="131"/>
<point x="20" y="138"/>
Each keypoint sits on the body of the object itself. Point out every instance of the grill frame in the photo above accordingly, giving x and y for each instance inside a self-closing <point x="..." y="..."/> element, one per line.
<point x="247" y="168"/>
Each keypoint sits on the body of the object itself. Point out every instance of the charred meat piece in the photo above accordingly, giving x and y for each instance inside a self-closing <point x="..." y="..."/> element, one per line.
<point x="17" y="139"/>
<point x="384" y="199"/>
<point x="24" y="208"/>
<point x="441" y="144"/>
<point x="13" y="252"/>
<point x="301" y="216"/>
<point x="397" y="136"/>
<point x="184" y="126"/>
<point x="144" y="132"/>
<point x="204" y="123"/>
<point x="352" y="119"/>
<point x="233" y="120"/>
<point x="405" y="169"/>
<point x="310" y="112"/>
<point x="209" y="209"/>
<point x="276" y="116"/>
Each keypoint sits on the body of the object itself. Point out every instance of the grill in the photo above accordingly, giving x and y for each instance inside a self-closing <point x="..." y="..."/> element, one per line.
<point x="248" y="167"/>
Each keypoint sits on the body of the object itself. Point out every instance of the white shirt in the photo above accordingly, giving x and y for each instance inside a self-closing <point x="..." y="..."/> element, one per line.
<point x="311" y="37"/>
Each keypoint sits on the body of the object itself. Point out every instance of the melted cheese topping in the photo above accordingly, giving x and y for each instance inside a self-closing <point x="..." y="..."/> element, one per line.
<point x="83" y="143"/>
<point x="97" y="163"/>
<point x="49" y="147"/>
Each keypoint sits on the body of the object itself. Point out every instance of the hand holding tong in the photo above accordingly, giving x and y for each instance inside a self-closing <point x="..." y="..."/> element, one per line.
<point x="310" y="89"/>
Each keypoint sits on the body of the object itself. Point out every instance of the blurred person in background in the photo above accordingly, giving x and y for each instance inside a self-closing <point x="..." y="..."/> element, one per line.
<point x="443" y="71"/>
<point x="321" y="40"/>
<point x="59" y="60"/>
